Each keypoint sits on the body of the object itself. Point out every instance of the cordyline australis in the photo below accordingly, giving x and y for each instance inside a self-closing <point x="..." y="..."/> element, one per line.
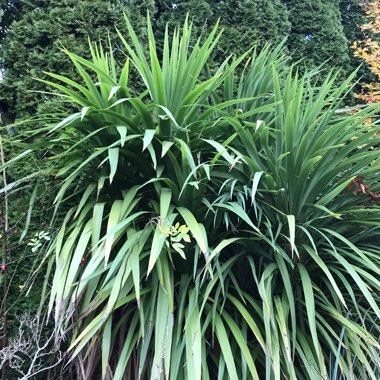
<point x="245" y="168"/>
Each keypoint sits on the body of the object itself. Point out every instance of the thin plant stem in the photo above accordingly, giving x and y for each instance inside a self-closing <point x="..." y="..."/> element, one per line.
<point x="5" y="247"/>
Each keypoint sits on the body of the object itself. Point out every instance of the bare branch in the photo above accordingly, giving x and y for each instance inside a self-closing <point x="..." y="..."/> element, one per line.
<point x="31" y="350"/>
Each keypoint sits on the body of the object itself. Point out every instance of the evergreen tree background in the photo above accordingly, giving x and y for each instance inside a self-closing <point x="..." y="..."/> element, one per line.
<point x="247" y="23"/>
<point x="34" y="44"/>
<point x="9" y="11"/>
<point x="33" y="32"/>
<point x="317" y="34"/>
<point x="201" y="13"/>
<point x="353" y="16"/>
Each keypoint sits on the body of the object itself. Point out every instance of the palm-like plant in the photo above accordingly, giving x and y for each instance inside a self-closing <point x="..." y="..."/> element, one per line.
<point x="205" y="231"/>
<point x="141" y="169"/>
<point x="315" y="272"/>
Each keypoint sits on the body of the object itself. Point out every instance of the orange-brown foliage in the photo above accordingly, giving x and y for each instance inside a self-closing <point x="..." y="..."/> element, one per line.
<point x="369" y="50"/>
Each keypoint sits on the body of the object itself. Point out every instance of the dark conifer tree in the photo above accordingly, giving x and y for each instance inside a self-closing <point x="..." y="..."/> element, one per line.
<point x="317" y="33"/>
<point x="353" y="16"/>
<point x="251" y="22"/>
<point x="245" y="22"/>
<point x="32" y="41"/>
<point x="173" y="13"/>
<point x="33" y="44"/>
<point x="9" y="11"/>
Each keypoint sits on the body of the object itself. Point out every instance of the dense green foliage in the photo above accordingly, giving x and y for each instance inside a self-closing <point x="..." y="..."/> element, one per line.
<point x="245" y="23"/>
<point x="174" y="13"/>
<point x="206" y="231"/>
<point x="316" y="34"/>
<point x="32" y="36"/>
<point x="353" y="17"/>
<point x="210" y="218"/>
<point x="34" y="45"/>
<point x="9" y="11"/>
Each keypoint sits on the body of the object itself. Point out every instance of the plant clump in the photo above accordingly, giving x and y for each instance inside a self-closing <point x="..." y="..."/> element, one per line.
<point x="201" y="228"/>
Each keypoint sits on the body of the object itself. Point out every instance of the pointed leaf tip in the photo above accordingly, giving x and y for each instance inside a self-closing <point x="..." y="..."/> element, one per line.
<point x="148" y="137"/>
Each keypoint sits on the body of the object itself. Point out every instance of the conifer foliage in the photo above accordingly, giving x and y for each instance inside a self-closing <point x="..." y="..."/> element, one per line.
<point x="33" y="33"/>
<point x="245" y="22"/>
<point x="250" y="22"/>
<point x="317" y="34"/>
<point x="33" y="44"/>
